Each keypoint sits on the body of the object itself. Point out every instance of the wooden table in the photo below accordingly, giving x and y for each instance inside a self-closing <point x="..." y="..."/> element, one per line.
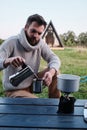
<point x="39" y="114"/>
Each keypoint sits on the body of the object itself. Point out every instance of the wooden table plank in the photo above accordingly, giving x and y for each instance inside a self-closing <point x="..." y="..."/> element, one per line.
<point x="17" y="128"/>
<point x="29" y="101"/>
<point x="41" y="101"/>
<point x="40" y="110"/>
<point x="42" y="121"/>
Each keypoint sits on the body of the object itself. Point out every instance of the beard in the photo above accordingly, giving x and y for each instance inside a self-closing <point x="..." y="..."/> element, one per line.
<point x="32" y="40"/>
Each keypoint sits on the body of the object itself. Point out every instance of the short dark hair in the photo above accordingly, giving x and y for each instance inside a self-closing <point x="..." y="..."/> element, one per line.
<point x="36" y="18"/>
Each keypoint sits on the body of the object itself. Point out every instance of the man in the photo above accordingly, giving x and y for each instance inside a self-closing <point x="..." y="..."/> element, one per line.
<point x="28" y="47"/>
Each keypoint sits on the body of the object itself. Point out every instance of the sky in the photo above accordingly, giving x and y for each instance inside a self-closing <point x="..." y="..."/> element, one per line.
<point x="66" y="15"/>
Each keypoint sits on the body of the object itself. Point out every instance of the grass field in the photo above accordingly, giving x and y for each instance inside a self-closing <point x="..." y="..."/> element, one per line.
<point x="73" y="61"/>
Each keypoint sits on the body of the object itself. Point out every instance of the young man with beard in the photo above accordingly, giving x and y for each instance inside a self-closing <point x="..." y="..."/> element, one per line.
<point x="28" y="47"/>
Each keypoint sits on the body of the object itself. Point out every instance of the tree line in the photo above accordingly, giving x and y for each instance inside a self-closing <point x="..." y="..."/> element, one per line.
<point x="70" y="39"/>
<point x="1" y="40"/>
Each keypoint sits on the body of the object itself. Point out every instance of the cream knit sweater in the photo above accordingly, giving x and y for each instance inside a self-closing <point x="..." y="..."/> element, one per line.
<point x="19" y="46"/>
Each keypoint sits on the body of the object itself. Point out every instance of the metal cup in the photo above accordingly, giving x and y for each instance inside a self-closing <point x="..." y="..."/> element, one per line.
<point x="37" y="85"/>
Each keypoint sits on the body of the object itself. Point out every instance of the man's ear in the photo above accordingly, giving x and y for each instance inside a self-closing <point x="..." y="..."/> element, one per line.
<point x="26" y="27"/>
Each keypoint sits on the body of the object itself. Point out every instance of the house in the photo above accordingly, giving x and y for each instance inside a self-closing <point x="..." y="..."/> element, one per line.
<point x="51" y="37"/>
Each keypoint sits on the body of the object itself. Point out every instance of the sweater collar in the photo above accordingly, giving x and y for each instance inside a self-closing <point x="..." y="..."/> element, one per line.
<point x="24" y="42"/>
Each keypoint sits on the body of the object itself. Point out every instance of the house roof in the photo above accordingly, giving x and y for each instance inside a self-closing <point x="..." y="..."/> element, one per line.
<point x="54" y="30"/>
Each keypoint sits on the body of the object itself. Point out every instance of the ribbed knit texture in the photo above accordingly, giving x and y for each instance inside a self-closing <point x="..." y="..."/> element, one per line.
<point x="19" y="46"/>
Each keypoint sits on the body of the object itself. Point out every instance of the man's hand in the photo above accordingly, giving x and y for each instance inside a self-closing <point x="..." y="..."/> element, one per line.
<point x="14" y="61"/>
<point x="48" y="76"/>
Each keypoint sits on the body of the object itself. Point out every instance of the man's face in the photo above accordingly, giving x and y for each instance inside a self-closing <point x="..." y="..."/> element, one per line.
<point x="33" y="32"/>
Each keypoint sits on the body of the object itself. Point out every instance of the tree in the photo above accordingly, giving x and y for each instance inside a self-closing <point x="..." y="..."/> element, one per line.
<point x="69" y="38"/>
<point x="1" y="41"/>
<point x="82" y="39"/>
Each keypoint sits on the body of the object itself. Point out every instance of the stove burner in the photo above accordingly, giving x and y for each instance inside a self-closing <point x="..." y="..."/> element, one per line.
<point x="66" y="104"/>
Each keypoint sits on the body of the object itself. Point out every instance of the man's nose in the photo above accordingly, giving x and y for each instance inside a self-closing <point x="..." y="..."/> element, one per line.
<point x="36" y="34"/>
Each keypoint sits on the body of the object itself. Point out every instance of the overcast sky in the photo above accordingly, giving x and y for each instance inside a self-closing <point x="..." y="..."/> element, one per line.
<point x="65" y="14"/>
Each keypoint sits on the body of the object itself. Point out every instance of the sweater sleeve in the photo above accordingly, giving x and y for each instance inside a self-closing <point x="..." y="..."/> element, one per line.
<point x="5" y="51"/>
<point x="1" y="64"/>
<point x="3" y="56"/>
<point x="52" y="59"/>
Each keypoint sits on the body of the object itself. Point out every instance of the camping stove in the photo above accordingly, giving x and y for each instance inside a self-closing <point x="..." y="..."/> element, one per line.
<point x="67" y="84"/>
<point x="66" y="104"/>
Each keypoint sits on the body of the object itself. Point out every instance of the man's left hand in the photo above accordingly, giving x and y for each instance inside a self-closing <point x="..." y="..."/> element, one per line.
<point x="48" y="76"/>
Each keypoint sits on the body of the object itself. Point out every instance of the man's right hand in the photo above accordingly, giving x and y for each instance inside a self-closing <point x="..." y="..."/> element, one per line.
<point x="14" y="61"/>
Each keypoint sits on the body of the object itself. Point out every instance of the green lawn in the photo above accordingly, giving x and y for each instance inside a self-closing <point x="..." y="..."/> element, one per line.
<point x="73" y="61"/>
